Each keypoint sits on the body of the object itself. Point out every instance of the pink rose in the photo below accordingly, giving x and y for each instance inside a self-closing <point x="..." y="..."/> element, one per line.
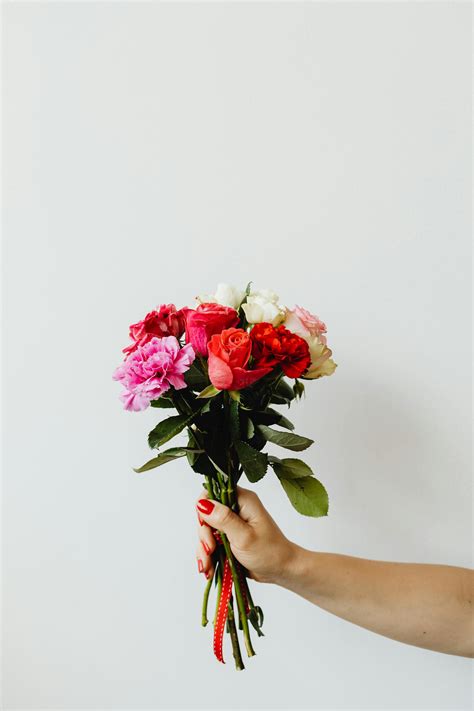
<point x="206" y="321"/>
<point x="229" y="353"/>
<point x="304" y="323"/>
<point x="167" y="321"/>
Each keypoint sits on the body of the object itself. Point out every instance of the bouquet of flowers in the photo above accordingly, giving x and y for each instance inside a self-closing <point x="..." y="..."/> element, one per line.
<point x="222" y="365"/>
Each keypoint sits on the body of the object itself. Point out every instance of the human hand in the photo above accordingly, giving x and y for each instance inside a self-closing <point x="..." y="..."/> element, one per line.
<point x="255" y="539"/>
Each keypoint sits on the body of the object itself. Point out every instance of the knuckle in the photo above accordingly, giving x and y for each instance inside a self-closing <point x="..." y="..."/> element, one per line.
<point x="246" y="496"/>
<point x="224" y="515"/>
<point x="210" y="542"/>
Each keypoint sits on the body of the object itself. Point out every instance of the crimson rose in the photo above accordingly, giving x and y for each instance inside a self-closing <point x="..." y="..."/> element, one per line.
<point x="205" y="321"/>
<point x="167" y="321"/>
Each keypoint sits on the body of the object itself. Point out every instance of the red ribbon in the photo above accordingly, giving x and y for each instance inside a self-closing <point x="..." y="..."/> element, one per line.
<point x="222" y="611"/>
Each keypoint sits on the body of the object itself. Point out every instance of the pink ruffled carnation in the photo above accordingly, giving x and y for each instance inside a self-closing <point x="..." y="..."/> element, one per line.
<point x="152" y="369"/>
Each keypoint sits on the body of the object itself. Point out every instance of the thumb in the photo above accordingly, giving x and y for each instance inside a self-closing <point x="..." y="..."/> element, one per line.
<point x="222" y="518"/>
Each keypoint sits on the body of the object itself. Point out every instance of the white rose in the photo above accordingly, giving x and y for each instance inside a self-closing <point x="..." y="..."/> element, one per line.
<point x="226" y="295"/>
<point x="263" y="306"/>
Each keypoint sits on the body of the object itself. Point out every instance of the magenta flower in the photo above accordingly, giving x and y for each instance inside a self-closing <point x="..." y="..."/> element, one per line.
<point x="152" y="369"/>
<point x="167" y="321"/>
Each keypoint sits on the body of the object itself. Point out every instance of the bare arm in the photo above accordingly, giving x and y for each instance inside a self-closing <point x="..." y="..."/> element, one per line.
<point x="427" y="606"/>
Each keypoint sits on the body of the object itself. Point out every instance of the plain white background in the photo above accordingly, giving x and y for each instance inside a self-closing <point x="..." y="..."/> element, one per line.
<point x="152" y="150"/>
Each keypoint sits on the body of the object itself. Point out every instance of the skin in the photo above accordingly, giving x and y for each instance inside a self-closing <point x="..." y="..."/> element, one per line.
<point x="427" y="606"/>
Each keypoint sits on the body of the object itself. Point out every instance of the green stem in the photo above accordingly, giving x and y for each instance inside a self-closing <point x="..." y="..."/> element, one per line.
<point x="219" y="590"/>
<point x="208" y="486"/>
<point x="205" y="600"/>
<point x="222" y="487"/>
<point x="234" y="637"/>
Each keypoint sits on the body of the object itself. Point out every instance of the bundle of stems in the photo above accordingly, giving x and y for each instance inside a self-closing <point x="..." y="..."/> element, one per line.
<point x="238" y="617"/>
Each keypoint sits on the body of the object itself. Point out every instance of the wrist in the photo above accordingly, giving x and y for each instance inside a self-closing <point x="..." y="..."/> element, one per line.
<point x="293" y="566"/>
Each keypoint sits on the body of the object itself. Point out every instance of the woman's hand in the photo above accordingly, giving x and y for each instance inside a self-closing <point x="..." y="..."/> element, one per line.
<point x="255" y="539"/>
<point x="428" y="606"/>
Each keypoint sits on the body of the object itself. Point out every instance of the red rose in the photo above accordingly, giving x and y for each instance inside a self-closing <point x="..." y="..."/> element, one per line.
<point x="229" y="353"/>
<point x="167" y="321"/>
<point x="277" y="346"/>
<point x="205" y="321"/>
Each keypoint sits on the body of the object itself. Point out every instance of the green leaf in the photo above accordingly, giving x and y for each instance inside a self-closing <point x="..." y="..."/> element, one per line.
<point x="192" y="445"/>
<point x="284" y="390"/>
<point x="203" y="465"/>
<point x="269" y="416"/>
<point x="290" y="468"/>
<point x="276" y="400"/>
<point x="206" y="407"/>
<point x="210" y="391"/>
<point x="217" y="467"/>
<point x="280" y="420"/>
<point x="254" y="463"/>
<point x="307" y="495"/>
<point x="198" y="462"/>
<point x="254" y="618"/>
<point x="167" y="429"/>
<point x="250" y="428"/>
<point x="195" y="378"/>
<point x="168" y="456"/>
<point x="285" y="422"/>
<point x="289" y="440"/>
<point x="265" y="417"/>
<point x="162" y="402"/>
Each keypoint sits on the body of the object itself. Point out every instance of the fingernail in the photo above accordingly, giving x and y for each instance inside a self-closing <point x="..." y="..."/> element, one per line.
<point x="205" y="506"/>
<point x="208" y="575"/>
<point x="207" y="550"/>
<point x="201" y="522"/>
<point x="200" y="565"/>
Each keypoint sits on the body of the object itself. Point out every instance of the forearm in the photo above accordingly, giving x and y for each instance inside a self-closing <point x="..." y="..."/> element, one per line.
<point x="425" y="605"/>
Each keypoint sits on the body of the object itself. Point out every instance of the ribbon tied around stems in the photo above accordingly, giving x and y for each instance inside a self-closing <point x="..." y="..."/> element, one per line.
<point x="224" y="601"/>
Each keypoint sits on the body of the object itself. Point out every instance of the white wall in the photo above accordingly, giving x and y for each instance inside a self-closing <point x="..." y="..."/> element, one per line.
<point x="152" y="150"/>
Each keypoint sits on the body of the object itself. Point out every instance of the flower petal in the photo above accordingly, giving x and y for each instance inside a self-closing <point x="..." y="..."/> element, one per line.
<point x="220" y="374"/>
<point x="244" y="378"/>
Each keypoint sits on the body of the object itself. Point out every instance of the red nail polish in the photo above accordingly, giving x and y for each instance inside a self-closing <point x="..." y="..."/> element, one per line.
<point x="200" y="565"/>
<point x="207" y="550"/>
<point x="208" y="575"/>
<point x="201" y="522"/>
<point x="205" y="506"/>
